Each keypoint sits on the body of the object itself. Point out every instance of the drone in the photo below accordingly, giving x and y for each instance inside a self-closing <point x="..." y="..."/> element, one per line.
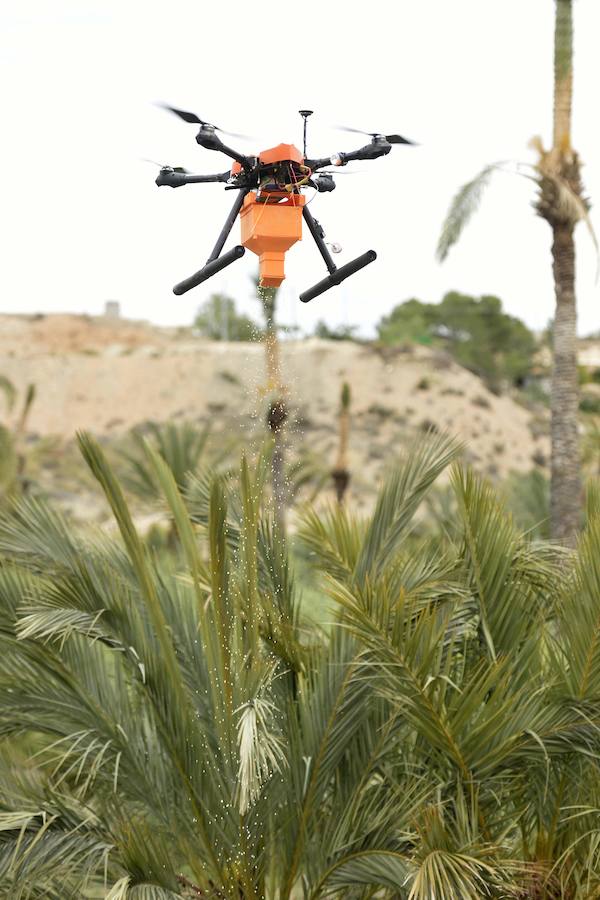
<point x="271" y="204"/>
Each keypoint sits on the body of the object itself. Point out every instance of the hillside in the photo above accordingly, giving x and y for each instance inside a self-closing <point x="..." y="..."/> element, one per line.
<point x="108" y="375"/>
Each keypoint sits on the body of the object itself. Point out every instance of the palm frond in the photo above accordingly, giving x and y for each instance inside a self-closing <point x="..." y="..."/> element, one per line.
<point x="10" y="392"/>
<point x="375" y="868"/>
<point x="462" y="208"/>
<point x="402" y="492"/>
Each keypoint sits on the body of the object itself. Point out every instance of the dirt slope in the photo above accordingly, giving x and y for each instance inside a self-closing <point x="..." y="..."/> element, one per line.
<point x="105" y="376"/>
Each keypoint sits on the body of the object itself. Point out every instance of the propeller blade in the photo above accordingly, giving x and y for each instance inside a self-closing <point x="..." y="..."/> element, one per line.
<point x="193" y="119"/>
<point x="390" y="138"/>
<point x="353" y="130"/>
<point x="189" y="117"/>
<point x="235" y="134"/>
<point x="398" y="139"/>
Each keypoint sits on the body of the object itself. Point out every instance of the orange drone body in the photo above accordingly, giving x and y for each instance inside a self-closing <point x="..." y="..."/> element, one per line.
<point x="271" y="220"/>
<point x="280" y="153"/>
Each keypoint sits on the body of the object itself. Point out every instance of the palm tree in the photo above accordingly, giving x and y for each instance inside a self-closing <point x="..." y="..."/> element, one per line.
<point x="181" y="733"/>
<point x="561" y="203"/>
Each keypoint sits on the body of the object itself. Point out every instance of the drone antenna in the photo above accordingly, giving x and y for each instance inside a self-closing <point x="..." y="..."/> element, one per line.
<point x="305" y="113"/>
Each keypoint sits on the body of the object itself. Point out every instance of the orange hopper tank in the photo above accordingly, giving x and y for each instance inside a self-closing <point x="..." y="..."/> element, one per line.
<point x="270" y="225"/>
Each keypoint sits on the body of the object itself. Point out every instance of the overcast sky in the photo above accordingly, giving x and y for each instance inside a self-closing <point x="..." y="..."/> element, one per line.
<point x="470" y="80"/>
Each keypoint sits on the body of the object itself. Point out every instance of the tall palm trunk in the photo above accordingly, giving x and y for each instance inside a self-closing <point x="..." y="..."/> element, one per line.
<point x="561" y="203"/>
<point x="565" y="496"/>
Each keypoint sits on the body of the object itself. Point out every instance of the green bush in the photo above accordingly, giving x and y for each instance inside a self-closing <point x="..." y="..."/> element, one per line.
<point x="590" y="403"/>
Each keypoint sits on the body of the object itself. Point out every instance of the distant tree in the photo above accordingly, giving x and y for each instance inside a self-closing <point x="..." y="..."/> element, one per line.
<point x="219" y="320"/>
<point x="408" y="322"/>
<point x="479" y="335"/>
<point x="338" y="333"/>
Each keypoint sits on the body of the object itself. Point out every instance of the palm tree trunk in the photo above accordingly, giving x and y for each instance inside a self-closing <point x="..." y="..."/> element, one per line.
<point x="563" y="71"/>
<point x="565" y="498"/>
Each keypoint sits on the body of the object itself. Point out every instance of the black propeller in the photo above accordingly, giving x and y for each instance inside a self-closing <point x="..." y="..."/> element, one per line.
<point x="192" y="119"/>
<point x="390" y="138"/>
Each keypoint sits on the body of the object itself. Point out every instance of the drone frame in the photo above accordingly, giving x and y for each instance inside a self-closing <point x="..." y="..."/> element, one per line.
<point x="245" y="178"/>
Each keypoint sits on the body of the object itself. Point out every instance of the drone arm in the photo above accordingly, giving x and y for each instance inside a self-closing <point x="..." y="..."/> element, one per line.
<point x="205" y="179"/>
<point x="315" y="164"/>
<point x="369" y="151"/>
<point x="174" y="179"/>
<point x="246" y="162"/>
<point x="211" y="141"/>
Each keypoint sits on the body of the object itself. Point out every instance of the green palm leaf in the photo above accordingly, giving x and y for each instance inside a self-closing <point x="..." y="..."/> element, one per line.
<point x="463" y="206"/>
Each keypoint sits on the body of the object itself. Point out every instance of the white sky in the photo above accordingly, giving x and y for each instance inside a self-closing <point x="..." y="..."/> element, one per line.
<point x="471" y="80"/>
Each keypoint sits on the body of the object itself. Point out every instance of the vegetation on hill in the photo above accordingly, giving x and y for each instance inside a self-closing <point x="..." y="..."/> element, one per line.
<point x="219" y="320"/>
<point x="478" y="334"/>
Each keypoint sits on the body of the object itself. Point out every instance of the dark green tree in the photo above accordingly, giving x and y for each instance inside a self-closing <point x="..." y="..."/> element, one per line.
<point x="409" y="322"/>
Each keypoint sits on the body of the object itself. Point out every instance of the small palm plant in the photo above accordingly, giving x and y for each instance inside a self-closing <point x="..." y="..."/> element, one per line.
<point x="12" y="454"/>
<point x="179" y="732"/>
<point x="341" y="472"/>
